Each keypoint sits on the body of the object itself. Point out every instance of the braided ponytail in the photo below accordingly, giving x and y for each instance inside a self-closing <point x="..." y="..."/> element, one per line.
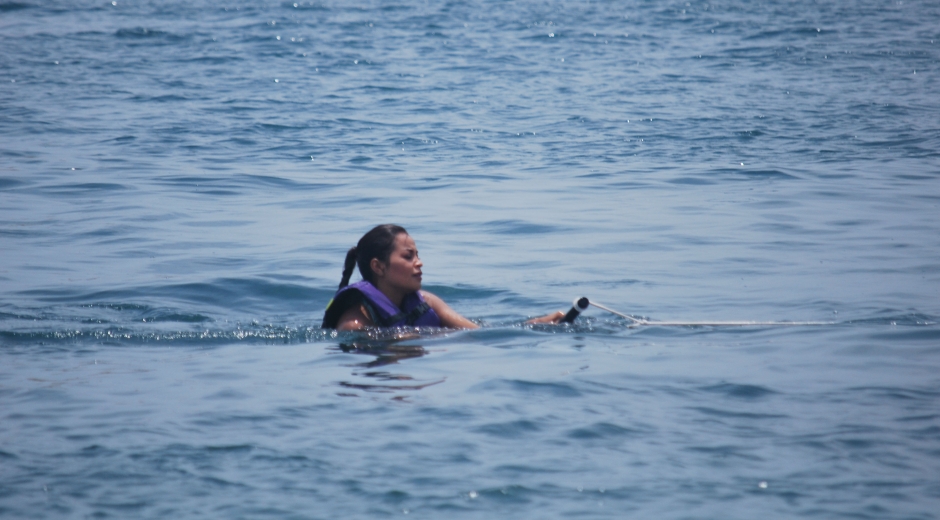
<point x="348" y="266"/>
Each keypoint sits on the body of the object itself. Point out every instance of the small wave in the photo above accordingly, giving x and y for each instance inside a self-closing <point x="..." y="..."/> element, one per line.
<point x="752" y="174"/>
<point x="250" y="295"/>
<point x="140" y="32"/>
<point x="787" y="33"/>
<point x="715" y="412"/>
<point x="530" y="388"/>
<point x="6" y="183"/>
<point x="80" y="189"/>
<point x="726" y="452"/>
<point x="6" y="7"/>
<point x="896" y="393"/>
<point x="891" y="317"/>
<point x="691" y="181"/>
<point x="603" y="430"/>
<point x="746" y="135"/>
<point x="269" y="334"/>
<point x="509" y="430"/>
<point x="387" y="388"/>
<point x="312" y="6"/>
<point x="750" y="392"/>
<point x="519" y="227"/>
<point x="584" y="325"/>
<point x="464" y="292"/>
<point x="240" y="183"/>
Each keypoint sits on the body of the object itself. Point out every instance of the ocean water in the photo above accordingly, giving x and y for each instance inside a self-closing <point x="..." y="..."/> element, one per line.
<point x="179" y="182"/>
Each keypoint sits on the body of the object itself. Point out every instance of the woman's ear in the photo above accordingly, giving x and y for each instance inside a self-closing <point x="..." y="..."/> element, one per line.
<point x="377" y="267"/>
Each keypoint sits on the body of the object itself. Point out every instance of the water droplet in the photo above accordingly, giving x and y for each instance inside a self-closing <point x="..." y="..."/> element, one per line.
<point x="355" y="62"/>
<point x="113" y="3"/>
<point x="551" y="35"/>
<point x="276" y="80"/>
<point x="473" y="494"/>
<point x="295" y="5"/>
<point x="762" y="484"/>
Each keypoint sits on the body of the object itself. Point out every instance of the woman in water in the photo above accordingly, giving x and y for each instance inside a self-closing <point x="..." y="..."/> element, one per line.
<point x="390" y="294"/>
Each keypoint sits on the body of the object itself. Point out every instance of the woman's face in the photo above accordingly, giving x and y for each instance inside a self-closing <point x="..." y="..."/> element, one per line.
<point x="403" y="270"/>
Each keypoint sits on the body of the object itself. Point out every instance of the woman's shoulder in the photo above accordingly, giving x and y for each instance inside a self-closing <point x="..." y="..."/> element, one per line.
<point x="354" y="318"/>
<point x="346" y="299"/>
<point x="429" y="296"/>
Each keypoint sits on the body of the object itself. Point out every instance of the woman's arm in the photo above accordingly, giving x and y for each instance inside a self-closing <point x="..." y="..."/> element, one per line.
<point x="553" y="318"/>
<point x="355" y="318"/>
<point x="449" y="317"/>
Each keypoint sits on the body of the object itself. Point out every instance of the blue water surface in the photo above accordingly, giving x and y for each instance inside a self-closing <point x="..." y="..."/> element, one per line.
<point x="179" y="182"/>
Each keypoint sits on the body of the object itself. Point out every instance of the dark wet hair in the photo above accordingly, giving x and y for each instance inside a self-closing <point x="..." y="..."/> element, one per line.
<point x="377" y="243"/>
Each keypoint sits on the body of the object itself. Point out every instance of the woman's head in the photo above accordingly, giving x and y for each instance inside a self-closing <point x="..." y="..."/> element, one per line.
<point x="378" y="243"/>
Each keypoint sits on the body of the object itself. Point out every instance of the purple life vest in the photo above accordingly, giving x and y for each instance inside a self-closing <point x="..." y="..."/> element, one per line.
<point x="415" y="312"/>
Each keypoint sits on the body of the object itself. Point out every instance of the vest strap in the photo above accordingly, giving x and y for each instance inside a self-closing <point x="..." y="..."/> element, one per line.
<point x="410" y="317"/>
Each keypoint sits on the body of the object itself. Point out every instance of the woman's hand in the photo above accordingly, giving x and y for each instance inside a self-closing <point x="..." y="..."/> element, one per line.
<point x="553" y="318"/>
